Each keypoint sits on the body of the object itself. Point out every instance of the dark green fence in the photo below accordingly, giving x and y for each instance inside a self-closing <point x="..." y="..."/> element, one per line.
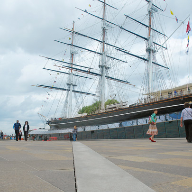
<point x="168" y="129"/>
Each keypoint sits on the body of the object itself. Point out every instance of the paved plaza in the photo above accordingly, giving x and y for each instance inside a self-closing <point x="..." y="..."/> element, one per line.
<point x="164" y="166"/>
<point x="113" y="165"/>
<point x="35" y="166"/>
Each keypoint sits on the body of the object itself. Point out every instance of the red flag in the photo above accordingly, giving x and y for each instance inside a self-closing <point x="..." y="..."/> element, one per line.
<point x="188" y="28"/>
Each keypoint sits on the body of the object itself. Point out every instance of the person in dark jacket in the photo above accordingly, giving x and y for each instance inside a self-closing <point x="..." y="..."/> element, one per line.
<point x="17" y="126"/>
<point x="26" y="129"/>
<point x="1" y="134"/>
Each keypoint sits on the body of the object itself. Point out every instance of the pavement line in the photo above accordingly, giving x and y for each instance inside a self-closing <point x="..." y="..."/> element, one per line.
<point x="74" y="171"/>
<point x="95" y="173"/>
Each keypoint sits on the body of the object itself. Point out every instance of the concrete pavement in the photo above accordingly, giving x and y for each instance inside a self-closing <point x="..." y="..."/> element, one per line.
<point x="48" y="165"/>
<point x="164" y="166"/>
<point x="34" y="166"/>
<point x="95" y="173"/>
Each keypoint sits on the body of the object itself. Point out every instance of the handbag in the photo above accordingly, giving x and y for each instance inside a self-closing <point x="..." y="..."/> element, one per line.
<point x="150" y="121"/>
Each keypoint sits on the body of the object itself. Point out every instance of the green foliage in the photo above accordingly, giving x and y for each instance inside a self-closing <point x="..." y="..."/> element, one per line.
<point x="96" y="106"/>
<point x="110" y="101"/>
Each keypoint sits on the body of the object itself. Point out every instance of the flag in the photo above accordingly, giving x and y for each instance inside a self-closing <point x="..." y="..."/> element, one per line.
<point x="176" y="19"/>
<point x="188" y="41"/>
<point x="187" y="51"/>
<point x="188" y="28"/>
<point x="171" y="12"/>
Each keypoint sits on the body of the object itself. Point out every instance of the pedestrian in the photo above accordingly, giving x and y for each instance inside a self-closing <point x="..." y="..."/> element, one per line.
<point x="75" y="133"/>
<point x="175" y="93"/>
<point x="181" y="93"/>
<point x="152" y="126"/>
<point x="26" y="129"/>
<point x="20" y="134"/>
<point x="186" y="117"/>
<point x="17" y="126"/>
<point x="1" y="134"/>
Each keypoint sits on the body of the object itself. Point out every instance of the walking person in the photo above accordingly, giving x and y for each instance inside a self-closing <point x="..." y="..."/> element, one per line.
<point x="26" y="129"/>
<point x="152" y="126"/>
<point x="17" y="126"/>
<point x="186" y="117"/>
<point x="20" y="134"/>
<point x="75" y="133"/>
<point x="1" y="134"/>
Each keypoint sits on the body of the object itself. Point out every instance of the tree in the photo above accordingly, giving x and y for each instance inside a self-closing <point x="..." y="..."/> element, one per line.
<point x="96" y="106"/>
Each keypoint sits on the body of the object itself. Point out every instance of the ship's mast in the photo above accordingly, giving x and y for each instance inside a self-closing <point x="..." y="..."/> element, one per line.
<point x="103" y="61"/>
<point x="150" y="51"/>
<point x="72" y="66"/>
<point x="70" y="82"/>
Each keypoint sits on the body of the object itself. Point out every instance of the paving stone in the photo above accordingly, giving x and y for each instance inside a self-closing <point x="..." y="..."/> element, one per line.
<point x="164" y="166"/>
<point x="36" y="166"/>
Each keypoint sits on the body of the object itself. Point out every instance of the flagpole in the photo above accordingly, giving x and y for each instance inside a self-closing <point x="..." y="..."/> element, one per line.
<point x="173" y="32"/>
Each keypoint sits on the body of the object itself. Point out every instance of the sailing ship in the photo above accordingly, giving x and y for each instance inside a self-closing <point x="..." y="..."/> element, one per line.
<point x="165" y="100"/>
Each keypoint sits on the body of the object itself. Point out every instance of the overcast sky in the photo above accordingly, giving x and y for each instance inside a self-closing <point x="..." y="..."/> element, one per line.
<point x="28" y="29"/>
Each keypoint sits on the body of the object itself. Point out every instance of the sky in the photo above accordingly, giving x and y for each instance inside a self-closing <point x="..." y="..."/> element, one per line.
<point x="28" y="30"/>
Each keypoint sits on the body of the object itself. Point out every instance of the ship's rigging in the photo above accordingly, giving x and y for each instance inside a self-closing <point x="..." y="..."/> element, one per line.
<point x="72" y="67"/>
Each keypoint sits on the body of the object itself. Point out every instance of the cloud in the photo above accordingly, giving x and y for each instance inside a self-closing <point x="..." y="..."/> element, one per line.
<point x="28" y="29"/>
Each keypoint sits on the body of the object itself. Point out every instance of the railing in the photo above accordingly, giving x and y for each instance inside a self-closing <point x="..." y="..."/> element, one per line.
<point x="163" y="97"/>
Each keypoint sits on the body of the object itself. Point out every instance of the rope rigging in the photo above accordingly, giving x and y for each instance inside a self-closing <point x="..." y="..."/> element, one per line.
<point x="162" y="78"/>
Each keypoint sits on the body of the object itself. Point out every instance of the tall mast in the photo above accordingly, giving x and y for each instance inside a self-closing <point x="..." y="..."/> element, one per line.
<point x="70" y="82"/>
<point x="150" y="51"/>
<point x="103" y="62"/>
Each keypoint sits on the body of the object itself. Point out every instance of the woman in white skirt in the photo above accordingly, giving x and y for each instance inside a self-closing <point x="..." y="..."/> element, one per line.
<point x="152" y="126"/>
